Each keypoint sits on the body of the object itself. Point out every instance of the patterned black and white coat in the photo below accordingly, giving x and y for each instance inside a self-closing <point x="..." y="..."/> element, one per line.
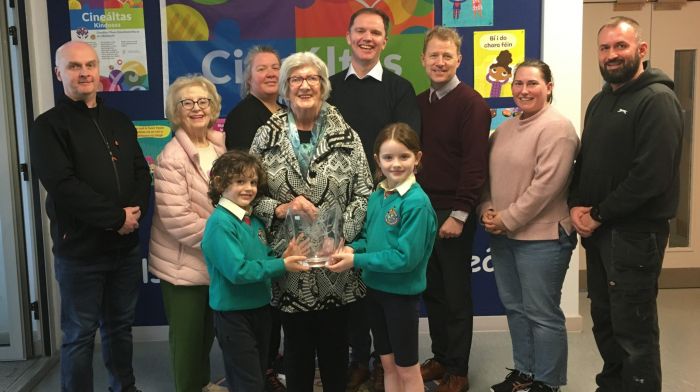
<point x="338" y="175"/>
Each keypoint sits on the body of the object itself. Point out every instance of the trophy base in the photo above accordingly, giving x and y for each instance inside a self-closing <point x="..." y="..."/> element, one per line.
<point x="315" y="262"/>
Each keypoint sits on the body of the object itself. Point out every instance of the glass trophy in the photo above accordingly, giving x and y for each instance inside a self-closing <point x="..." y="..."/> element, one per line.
<point x="324" y="234"/>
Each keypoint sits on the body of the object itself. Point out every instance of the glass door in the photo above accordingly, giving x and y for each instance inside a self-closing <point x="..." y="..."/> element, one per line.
<point x="674" y="37"/>
<point x="14" y="317"/>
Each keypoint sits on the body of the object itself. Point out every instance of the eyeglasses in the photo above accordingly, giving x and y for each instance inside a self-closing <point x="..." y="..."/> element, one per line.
<point x="188" y="104"/>
<point x="311" y="80"/>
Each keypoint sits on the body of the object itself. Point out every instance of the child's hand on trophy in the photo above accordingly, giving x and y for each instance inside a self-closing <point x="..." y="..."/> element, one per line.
<point x="340" y="262"/>
<point x="298" y="246"/>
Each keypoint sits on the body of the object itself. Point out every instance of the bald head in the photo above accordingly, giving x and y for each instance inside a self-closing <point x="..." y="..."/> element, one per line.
<point x="78" y="68"/>
<point x="71" y="46"/>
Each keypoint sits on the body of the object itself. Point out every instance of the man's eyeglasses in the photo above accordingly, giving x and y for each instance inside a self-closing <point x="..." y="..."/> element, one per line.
<point x="188" y="104"/>
<point x="311" y="80"/>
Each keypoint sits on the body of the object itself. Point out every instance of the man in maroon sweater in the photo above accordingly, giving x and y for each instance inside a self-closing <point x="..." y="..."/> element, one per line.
<point x="454" y="138"/>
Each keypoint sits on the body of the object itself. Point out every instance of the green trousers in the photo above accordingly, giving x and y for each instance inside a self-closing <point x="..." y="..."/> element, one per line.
<point x="191" y="334"/>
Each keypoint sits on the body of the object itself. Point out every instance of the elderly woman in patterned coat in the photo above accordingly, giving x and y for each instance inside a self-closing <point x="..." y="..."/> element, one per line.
<point x="314" y="162"/>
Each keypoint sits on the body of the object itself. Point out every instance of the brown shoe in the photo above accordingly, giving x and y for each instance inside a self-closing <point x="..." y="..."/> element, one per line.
<point x="378" y="377"/>
<point x="452" y="383"/>
<point x="273" y="383"/>
<point x="431" y="370"/>
<point x="357" y="375"/>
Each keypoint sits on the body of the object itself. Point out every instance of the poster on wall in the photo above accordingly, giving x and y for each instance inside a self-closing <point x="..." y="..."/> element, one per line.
<point x="467" y="13"/>
<point x="212" y="38"/>
<point x="153" y="135"/>
<point x="495" y="55"/>
<point x="115" y="28"/>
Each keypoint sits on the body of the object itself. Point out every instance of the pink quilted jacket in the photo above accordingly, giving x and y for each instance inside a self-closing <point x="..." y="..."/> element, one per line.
<point x="181" y="211"/>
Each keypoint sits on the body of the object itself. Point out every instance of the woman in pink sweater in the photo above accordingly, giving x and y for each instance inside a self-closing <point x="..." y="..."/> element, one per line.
<point x="181" y="181"/>
<point x="525" y="211"/>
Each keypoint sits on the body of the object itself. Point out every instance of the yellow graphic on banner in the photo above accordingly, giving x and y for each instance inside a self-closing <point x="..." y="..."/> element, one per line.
<point x="186" y="24"/>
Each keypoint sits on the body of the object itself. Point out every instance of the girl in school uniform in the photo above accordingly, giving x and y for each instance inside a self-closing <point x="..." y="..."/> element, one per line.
<point x="393" y="251"/>
<point x="241" y="266"/>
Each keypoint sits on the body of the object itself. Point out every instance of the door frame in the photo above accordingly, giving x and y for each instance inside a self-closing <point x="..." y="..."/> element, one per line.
<point x="11" y="220"/>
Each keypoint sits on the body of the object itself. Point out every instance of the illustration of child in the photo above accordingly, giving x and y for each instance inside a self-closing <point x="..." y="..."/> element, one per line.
<point x="500" y="73"/>
<point x="392" y="251"/>
<point x="456" y="8"/>
<point x="477" y="8"/>
<point x="240" y="268"/>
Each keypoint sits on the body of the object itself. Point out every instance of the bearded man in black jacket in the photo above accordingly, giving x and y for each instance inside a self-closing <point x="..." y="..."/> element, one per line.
<point x="625" y="190"/>
<point x="98" y="183"/>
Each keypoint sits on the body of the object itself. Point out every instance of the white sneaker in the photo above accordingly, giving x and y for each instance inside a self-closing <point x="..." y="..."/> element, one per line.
<point x="214" y="388"/>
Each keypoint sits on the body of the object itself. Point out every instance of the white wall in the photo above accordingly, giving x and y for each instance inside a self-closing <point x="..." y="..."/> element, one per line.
<point x="561" y="50"/>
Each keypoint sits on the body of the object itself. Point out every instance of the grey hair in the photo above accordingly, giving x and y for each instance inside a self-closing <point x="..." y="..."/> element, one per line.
<point x="302" y="59"/>
<point x="172" y="98"/>
<point x="248" y="65"/>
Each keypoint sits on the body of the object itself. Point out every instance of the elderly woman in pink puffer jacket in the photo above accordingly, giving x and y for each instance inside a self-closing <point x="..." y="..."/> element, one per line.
<point x="181" y="178"/>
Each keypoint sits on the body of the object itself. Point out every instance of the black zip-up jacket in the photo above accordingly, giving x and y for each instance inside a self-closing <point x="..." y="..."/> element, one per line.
<point x="92" y="166"/>
<point x="630" y="151"/>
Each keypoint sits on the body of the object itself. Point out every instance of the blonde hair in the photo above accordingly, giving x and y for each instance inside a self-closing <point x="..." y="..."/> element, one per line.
<point x="172" y="100"/>
<point x="443" y="34"/>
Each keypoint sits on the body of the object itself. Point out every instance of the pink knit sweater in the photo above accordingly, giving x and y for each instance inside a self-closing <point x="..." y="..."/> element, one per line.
<point x="530" y="164"/>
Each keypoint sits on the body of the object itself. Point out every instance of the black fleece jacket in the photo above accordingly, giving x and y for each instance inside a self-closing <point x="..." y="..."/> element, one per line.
<point x="630" y="152"/>
<point x="92" y="166"/>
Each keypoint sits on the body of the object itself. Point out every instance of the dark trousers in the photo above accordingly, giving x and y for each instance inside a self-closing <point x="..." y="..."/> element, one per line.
<point x="322" y="334"/>
<point x="243" y="336"/>
<point x="98" y="292"/>
<point x="359" y="329"/>
<point x="448" y="297"/>
<point x="275" y="337"/>
<point x="623" y="269"/>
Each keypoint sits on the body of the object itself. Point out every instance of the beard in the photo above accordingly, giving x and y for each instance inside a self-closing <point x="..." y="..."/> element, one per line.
<point x="625" y="73"/>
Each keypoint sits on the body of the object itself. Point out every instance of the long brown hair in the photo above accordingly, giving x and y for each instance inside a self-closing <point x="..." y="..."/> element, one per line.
<point x="402" y="133"/>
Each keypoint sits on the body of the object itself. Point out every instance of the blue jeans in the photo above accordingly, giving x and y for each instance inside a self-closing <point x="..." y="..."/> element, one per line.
<point x="529" y="276"/>
<point x="98" y="292"/>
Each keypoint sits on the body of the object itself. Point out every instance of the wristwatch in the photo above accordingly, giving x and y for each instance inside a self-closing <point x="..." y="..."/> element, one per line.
<point x="595" y="214"/>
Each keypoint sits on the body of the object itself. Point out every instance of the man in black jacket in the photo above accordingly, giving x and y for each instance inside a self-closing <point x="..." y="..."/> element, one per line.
<point x="625" y="190"/>
<point x="97" y="180"/>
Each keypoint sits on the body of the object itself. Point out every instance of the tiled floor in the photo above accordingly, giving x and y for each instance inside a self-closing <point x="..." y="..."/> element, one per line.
<point x="680" y="344"/>
<point x="10" y="372"/>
